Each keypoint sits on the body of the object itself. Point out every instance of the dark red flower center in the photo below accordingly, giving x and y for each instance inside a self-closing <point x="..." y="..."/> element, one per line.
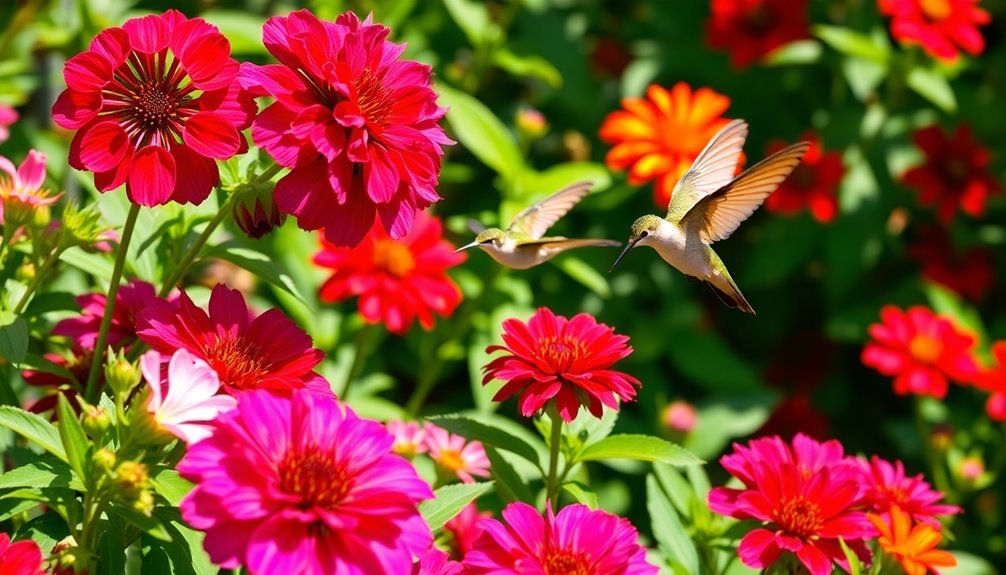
<point x="925" y="348"/>
<point x="936" y="10"/>
<point x="758" y="20"/>
<point x="147" y="98"/>
<point x="237" y="361"/>
<point x="560" y="352"/>
<point x="803" y="177"/>
<point x="373" y="98"/>
<point x="799" y="516"/>
<point x="956" y="170"/>
<point x="313" y="475"/>
<point x="394" y="258"/>
<point x="565" y="562"/>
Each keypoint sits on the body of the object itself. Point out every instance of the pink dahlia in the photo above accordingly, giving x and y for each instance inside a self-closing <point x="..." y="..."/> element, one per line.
<point x="21" y="191"/>
<point x="248" y="352"/>
<point x="154" y="103"/>
<point x="803" y="494"/>
<point x="566" y="360"/>
<point x="356" y="125"/>
<point x="887" y="485"/>
<point x="456" y="454"/>
<point x="436" y="562"/>
<point x="129" y="302"/>
<point x="300" y="484"/>
<point x="19" y="558"/>
<point x="575" y="540"/>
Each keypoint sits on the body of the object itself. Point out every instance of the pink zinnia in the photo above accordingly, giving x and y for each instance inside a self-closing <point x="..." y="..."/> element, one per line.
<point x="21" y="190"/>
<point x="575" y="540"/>
<point x="301" y="484"/>
<point x="248" y="352"/>
<point x="436" y="562"/>
<point x="565" y="360"/>
<point x="155" y="103"/>
<point x="888" y="485"/>
<point x="803" y="494"/>
<point x="19" y="558"/>
<point x="410" y="438"/>
<point x="456" y="454"/>
<point x="129" y="302"/>
<point x="465" y="528"/>
<point x="8" y="116"/>
<point x="356" y="125"/>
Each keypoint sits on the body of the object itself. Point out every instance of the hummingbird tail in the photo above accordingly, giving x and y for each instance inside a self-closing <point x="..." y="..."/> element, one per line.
<point x="728" y="293"/>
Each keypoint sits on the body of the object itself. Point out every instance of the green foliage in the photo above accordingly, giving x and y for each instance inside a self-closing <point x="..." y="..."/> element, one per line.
<point x="449" y="500"/>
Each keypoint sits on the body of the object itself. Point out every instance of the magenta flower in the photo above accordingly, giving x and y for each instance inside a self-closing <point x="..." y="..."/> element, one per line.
<point x="154" y="103"/>
<point x="887" y="485"/>
<point x="20" y="557"/>
<point x="465" y="528"/>
<point x="186" y="401"/>
<point x="576" y="540"/>
<point x="436" y="562"/>
<point x="356" y="125"/>
<point x="410" y="438"/>
<point x="456" y="454"/>
<point x="129" y="302"/>
<point x="804" y="495"/>
<point x="300" y="484"/>
<point x="8" y="116"/>
<point x="21" y="190"/>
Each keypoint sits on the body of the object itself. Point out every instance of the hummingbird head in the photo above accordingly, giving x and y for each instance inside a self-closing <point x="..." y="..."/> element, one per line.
<point x="487" y="238"/>
<point x="643" y="231"/>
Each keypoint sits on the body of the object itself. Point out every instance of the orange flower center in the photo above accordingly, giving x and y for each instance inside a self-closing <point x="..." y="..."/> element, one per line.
<point x="314" y="476"/>
<point x="237" y="361"/>
<point x="561" y="352"/>
<point x="936" y="10"/>
<point x="393" y="257"/>
<point x="372" y="98"/>
<point x="925" y="348"/>
<point x="799" y="516"/>
<point x="563" y="562"/>
<point x="451" y="459"/>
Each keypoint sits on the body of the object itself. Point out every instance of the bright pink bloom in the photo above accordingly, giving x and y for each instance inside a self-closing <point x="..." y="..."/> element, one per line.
<point x="922" y="350"/>
<point x="248" y="352"/>
<point x="551" y="357"/>
<point x="465" y="528"/>
<point x="356" y="125"/>
<point x="21" y="190"/>
<point x="397" y="281"/>
<point x="410" y="438"/>
<point x="456" y="454"/>
<point x="155" y="102"/>
<point x="576" y="540"/>
<point x="129" y="302"/>
<point x="20" y="558"/>
<point x="941" y="27"/>
<point x="8" y="116"/>
<point x="300" y="484"/>
<point x="888" y="485"/>
<point x="680" y="416"/>
<point x="804" y="496"/>
<point x="436" y="562"/>
<point x="186" y="401"/>
<point x="994" y="381"/>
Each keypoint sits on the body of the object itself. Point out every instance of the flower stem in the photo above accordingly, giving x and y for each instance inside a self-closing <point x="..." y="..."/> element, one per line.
<point x="97" y="361"/>
<point x="940" y="479"/>
<point x="555" y="443"/>
<point x="36" y="281"/>
<point x="364" y="341"/>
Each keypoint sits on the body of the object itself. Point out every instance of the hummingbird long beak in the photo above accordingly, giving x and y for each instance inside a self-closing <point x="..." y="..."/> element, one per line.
<point x="628" y="247"/>
<point x="463" y="248"/>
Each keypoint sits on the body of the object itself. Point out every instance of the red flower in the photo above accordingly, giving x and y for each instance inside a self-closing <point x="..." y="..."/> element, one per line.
<point x="356" y="125"/>
<point x="994" y="382"/>
<point x="941" y="27"/>
<point x="396" y="280"/>
<point x="20" y="558"/>
<point x="812" y="185"/>
<point x="51" y="383"/>
<point x="750" y="29"/>
<point x="921" y="350"/>
<point x="968" y="273"/>
<point x="955" y="172"/>
<point x="565" y="360"/>
<point x="247" y="352"/>
<point x="129" y="302"/>
<point x="155" y="103"/>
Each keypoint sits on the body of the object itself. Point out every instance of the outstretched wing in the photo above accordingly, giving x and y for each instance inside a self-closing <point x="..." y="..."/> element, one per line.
<point x="713" y="168"/>
<point x="717" y="215"/>
<point x="537" y="219"/>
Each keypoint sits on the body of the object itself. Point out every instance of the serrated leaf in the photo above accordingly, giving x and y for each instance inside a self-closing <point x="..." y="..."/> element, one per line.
<point x="668" y="530"/>
<point x="34" y="428"/>
<point x="508" y="481"/>
<point x="257" y="263"/>
<point x="449" y="500"/>
<point x="170" y="485"/>
<point x="932" y="86"/>
<point x="74" y="439"/>
<point x="13" y="337"/>
<point x="640" y="448"/>
<point x="487" y="434"/>
<point x="482" y="133"/>
<point x="582" y="493"/>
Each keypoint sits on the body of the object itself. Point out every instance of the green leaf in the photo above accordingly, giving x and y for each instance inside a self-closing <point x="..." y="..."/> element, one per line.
<point x="257" y="263"/>
<point x="46" y="471"/>
<point x="150" y="525"/>
<point x="582" y="493"/>
<point x="591" y="279"/>
<point x="182" y="555"/>
<point x="34" y="428"/>
<point x="473" y="19"/>
<point x="508" y="482"/>
<point x="677" y="488"/>
<point x="855" y="565"/>
<point x="968" y="564"/>
<point x="13" y="337"/>
<point x="13" y="507"/>
<point x="170" y="485"/>
<point x="449" y="500"/>
<point x="528" y="66"/>
<point x="724" y="417"/>
<point x="482" y="133"/>
<point x="945" y="302"/>
<point x="533" y="185"/>
<point x="111" y="548"/>
<point x="74" y="439"/>
<point x="795" y="53"/>
<point x="46" y="530"/>
<point x="671" y="536"/>
<point x="640" y="448"/>
<point x="42" y="364"/>
<point x="242" y="29"/>
<point x="93" y="264"/>
<point x="932" y="86"/>
<point x="852" y="43"/>
<point x="487" y="434"/>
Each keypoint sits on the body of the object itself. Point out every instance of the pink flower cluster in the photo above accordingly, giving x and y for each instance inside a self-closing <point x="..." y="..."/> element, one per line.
<point x="452" y="453"/>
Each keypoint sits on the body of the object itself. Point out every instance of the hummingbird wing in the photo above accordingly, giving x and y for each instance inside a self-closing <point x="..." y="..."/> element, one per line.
<point x="561" y="243"/>
<point x="717" y="215"/>
<point x="713" y="168"/>
<point x="475" y="226"/>
<point x="537" y="219"/>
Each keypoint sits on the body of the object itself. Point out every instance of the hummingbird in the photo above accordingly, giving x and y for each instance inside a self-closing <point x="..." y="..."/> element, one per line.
<point x="708" y="204"/>
<point x="524" y="244"/>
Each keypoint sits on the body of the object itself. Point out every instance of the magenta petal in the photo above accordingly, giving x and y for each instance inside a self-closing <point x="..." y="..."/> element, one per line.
<point x="113" y="44"/>
<point x="87" y="72"/>
<point x="212" y="136"/>
<point x="104" y="146"/>
<point x="758" y="549"/>
<point x="381" y="176"/>
<point x="348" y="225"/>
<point x="32" y="170"/>
<point x="151" y="176"/>
<point x="148" y="34"/>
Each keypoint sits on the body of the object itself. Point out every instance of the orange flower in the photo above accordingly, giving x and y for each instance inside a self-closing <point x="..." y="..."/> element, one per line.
<point x="914" y="547"/>
<point x="658" y="137"/>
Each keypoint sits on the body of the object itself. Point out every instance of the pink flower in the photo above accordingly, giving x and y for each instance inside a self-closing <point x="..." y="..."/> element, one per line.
<point x="804" y="495"/>
<point x="576" y="540"/>
<point x="129" y="302"/>
<point x="888" y="485"/>
<point x="356" y="125"/>
<point x="300" y="484"/>
<point x="680" y="416"/>
<point x="465" y="528"/>
<point x="410" y="438"/>
<point x="248" y="352"/>
<point x="20" y="558"/>
<point x="436" y="562"/>
<point x="155" y="103"/>
<point x="8" y="116"/>
<point x="456" y="454"/>
<point x="21" y="191"/>
<point x="187" y="401"/>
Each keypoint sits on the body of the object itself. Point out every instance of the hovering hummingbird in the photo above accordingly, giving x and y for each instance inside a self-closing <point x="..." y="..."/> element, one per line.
<point x="708" y="204"/>
<point x="522" y="245"/>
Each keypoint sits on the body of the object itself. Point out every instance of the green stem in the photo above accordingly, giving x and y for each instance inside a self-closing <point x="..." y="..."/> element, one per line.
<point x="555" y="444"/>
<point x="36" y="281"/>
<point x="97" y="362"/>
<point x="364" y="341"/>
<point x="8" y="233"/>
<point x="936" y="467"/>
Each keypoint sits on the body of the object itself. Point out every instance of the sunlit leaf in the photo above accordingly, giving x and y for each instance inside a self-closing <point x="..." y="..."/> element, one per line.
<point x="638" y="447"/>
<point x="449" y="500"/>
<point x="668" y="530"/>
<point x="932" y="86"/>
<point x="13" y="336"/>
<point x="481" y="132"/>
<point x="34" y="428"/>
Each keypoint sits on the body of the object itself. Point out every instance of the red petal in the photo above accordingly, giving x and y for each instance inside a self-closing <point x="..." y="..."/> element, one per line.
<point x="197" y="178"/>
<point x="104" y="146"/>
<point x="206" y="58"/>
<point x="73" y="109"/>
<point x="87" y="72"/>
<point x="148" y="34"/>
<point x="113" y="44"/>
<point x="114" y="177"/>
<point x="151" y="176"/>
<point x="211" y="135"/>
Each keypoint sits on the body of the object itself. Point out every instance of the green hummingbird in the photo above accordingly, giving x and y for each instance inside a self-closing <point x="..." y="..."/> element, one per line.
<point x="523" y="244"/>
<point x="708" y="204"/>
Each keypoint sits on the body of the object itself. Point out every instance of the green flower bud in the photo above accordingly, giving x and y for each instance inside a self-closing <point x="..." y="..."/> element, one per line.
<point x="103" y="460"/>
<point x="131" y="486"/>
<point x="255" y="210"/>
<point x="95" y="421"/>
<point x="120" y="373"/>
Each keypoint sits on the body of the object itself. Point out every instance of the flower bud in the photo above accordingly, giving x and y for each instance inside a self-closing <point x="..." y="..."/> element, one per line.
<point x="531" y="123"/>
<point x="255" y="211"/>
<point x="67" y="558"/>
<point x="942" y="436"/>
<point x="79" y="226"/>
<point x="103" y="460"/>
<point x="120" y="373"/>
<point x="95" y="421"/>
<point x="971" y="468"/>
<point x="131" y="486"/>
<point x="26" y="273"/>
<point x="680" y="416"/>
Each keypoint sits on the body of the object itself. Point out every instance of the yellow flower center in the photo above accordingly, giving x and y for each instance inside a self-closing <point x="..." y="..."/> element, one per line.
<point x="800" y="517"/>
<point x="313" y="475"/>
<point x="393" y="257"/>
<point x="562" y="562"/>
<point x="936" y="10"/>
<point x="925" y="348"/>
<point x="451" y="459"/>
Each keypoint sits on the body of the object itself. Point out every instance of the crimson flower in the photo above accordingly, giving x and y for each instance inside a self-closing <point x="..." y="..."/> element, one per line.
<point x="750" y="29"/>
<point x="356" y="125"/>
<point x="955" y="173"/>
<point x="154" y="103"/>
<point x="969" y="272"/>
<point x="129" y="302"/>
<point x="942" y="27"/>
<point x="887" y="485"/>
<point x="813" y="184"/>
<point x="397" y="280"/>
<point x="248" y="352"/>
<point x="465" y="528"/>
<point x="20" y="557"/>
<point x="77" y="366"/>
<point x="565" y="360"/>
<point x="994" y="381"/>
<point x="920" y="350"/>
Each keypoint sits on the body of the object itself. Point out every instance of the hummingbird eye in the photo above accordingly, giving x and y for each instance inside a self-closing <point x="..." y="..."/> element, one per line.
<point x="644" y="234"/>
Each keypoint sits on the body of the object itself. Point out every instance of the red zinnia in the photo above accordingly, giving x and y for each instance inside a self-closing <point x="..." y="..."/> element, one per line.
<point x="155" y="103"/>
<point x="969" y="273"/>
<point x="922" y="350"/>
<point x="396" y="280"/>
<point x="129" y="302"/>
<point x="941" y="27"/>
<point x="247" y="352"/>
<point x="812" y="185"/>
<point x="356" y="125"/>
<point x="994" y="382"/>
<point x="565" y="360"/>
<point x="955" y="173"/>
<point x="19" y="557"/>
<point x="750" y="29"/>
